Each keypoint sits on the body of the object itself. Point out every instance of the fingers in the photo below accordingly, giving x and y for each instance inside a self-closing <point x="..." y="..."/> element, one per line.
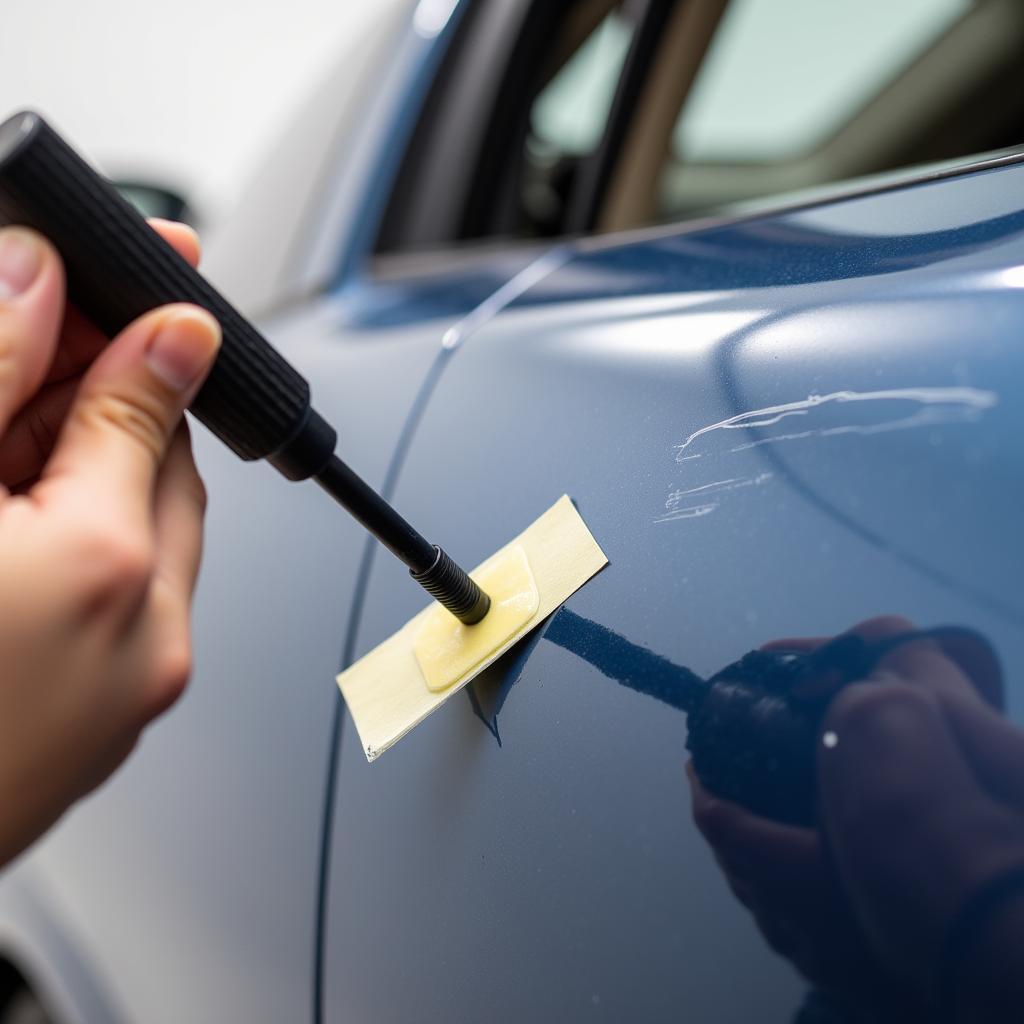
<point x="911" y="831"/>
<point x="30" y="438"/>
<point x="993" y="747"/>
<point x="180" y="505"/>
<point x="127" y="409"/>
<point x="180" y="236"/>
<point x="780" y="873"/>
<point x="31" y="434"/>
<point x="81" y="340"/>
<point x="870" y="629"/>
<point x="750" y="847"/>
<point x="31" y="305"/>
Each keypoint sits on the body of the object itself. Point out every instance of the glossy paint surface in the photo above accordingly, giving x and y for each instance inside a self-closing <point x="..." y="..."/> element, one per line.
<point x="775" y="429"/>
<point x="185" y="889"/>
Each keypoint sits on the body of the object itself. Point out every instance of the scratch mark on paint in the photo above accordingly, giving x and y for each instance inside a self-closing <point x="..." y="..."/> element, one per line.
<point x="674" y="502"/>
<point x="954" y="404"/>
<point x="921" y="418"/>
<point x="718" y="485"/>
<point x="691" y="512"/>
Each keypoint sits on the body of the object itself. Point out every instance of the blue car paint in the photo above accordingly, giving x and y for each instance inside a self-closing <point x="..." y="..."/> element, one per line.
<point x="559" y="876"/>
<point x="556" y="876"/>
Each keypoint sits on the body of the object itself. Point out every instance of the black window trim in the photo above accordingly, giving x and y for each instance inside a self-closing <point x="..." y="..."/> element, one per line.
<point x="484" y="32"/>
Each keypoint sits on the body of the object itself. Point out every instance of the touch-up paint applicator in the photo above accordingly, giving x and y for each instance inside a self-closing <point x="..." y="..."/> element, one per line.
<point x="256" y="402"/>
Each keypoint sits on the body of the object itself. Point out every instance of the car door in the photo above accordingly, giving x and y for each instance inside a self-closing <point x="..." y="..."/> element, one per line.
<point x="776" y="425"/>
<point x="187" y="887"/>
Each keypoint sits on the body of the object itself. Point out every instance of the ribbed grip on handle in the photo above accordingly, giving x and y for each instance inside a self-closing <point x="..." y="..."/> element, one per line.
<point x="454" y="588"/>
<point x="119" y="268"/>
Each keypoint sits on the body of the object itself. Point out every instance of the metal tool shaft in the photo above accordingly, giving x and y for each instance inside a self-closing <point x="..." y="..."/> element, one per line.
<point x="428" y="564"/>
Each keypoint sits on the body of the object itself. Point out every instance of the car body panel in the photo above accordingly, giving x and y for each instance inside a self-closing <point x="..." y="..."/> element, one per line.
<point x="191" y="876"/>
<point x="559" y="875"/>
<point x="213" y="828"/>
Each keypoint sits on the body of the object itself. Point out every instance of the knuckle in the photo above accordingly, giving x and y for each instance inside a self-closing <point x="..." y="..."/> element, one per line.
<point x="196" y="491"/>
<point x="169" y="680"/>
<point x="715" y="819"/>
<point x="874" y="710"/>
<point x="874" y="723"/>
<point x="883" y="625"/>
<point x="11" y="353"/>
<point x="9" y="346"/>
<point x="119" y="564"/>
<point x="141" y="416"/>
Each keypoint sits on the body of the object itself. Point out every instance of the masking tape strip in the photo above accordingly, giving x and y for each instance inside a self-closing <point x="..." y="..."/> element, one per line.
<point x="386" y="690"/>
<point x="446" y="649"/>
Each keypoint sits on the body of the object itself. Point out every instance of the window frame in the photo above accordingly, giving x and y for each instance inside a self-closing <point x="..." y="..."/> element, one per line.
<point x="438" y="192"/>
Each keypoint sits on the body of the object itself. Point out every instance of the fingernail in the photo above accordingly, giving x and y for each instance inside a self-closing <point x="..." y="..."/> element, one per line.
<point x="21" y="257"/>
<point x="183" y="347"/>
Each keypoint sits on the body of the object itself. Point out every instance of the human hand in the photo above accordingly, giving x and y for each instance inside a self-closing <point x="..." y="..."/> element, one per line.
<point x="910" y="891"/>
<point x="28" y="440"/>
<point x="100" y="532"/>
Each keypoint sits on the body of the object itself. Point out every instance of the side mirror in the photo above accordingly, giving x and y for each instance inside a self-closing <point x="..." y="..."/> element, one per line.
<point x="153" y="200"/>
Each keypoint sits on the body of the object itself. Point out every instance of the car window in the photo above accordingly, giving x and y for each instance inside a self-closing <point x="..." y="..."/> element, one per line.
<point x="553" y="118"/>
<point x="521" y="105"/>
<point x="780" y="78"/>
<point x="796" y="93"/>
<point x="569" y="114"/>
<point x="567" y="122"/>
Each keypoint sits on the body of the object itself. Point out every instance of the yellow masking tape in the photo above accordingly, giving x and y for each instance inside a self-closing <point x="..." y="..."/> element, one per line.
<point x="388" y="693"/>
<point x="447" y="650"/>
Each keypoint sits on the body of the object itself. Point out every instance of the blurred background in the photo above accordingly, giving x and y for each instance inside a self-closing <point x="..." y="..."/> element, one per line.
<point x="205" y="98"/>
<point x="189" y="94"/>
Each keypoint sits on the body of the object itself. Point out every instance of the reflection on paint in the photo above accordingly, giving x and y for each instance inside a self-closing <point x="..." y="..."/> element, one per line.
<point x="819" y="413"/>
<point x="488" y="691"/>
<point x="611" y="654"/>
<point x="624" y="661"/>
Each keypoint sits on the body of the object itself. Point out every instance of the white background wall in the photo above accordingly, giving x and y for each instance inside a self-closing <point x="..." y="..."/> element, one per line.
<point x="190" y="92"/>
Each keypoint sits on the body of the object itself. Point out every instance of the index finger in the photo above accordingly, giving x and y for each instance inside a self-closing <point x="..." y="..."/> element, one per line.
<point x="869" y="629"/>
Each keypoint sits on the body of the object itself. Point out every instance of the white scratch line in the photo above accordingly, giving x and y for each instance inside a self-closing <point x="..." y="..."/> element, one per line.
<point x="694" y="512"/>
<point x="922" y="418"/>
<point x="727" y="485"/>
<point x="717" y="485"/>
<point x="973" y="400"/>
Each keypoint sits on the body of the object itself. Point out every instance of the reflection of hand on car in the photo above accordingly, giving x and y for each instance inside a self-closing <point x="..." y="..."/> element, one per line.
<point x="912" y="890"/>
<point x="101" y="514"/>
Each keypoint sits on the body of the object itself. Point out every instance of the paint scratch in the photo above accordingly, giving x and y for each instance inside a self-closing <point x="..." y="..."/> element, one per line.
<point x="691" y="512"/>
<point x="939" y="405"/>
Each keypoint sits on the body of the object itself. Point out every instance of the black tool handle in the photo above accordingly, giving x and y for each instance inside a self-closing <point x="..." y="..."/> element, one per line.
<point x="118" y="268"/>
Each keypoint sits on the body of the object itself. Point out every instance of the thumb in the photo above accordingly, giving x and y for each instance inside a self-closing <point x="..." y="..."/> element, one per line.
<point x="127" y="409"/>
<point x="31" y="308"/>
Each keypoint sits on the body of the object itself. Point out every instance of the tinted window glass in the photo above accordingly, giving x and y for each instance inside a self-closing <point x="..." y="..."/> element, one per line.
<point x="569" y="114"/>
<point x="781" y="77"/>
<point x="796" y="93"/>
<point x="568" y="119"/>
